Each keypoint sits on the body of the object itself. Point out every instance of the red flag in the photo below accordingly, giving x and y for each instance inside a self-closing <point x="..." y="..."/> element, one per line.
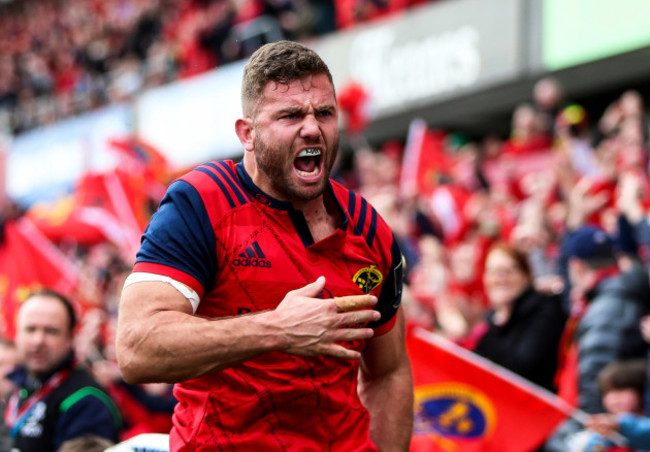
<point x="29" y="261"/>
<point x="104" y="206"/>
<point x="142" y="161"/>
<point x="65" y="219"/>
<point x="447" y="203"/>
<point x="465" y="403"/>
<point x="425" y="161"/>
<point x="119" y="194"/>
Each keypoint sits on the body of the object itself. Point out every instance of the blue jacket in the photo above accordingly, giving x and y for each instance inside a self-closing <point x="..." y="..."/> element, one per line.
<point x="636" y="429"/>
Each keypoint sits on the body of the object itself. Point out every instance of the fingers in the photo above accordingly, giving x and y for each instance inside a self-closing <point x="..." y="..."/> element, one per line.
<point x="326" y="326"/>
<point x="352" y="309"/>
<point x="333" y="350"/>
<point x="311" y="289"/>
<point x="354" y="302"/>
<point x="341" y="352"/>
<point x="353" y="334"/>
<point x="357" y="317"/>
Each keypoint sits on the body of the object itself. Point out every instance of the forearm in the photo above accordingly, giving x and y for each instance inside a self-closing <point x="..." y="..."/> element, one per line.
<point x="160" y="340"/>
<point x="173" y="346"/>
<point x="386" y="389"/>
<point x="389" y="399"/>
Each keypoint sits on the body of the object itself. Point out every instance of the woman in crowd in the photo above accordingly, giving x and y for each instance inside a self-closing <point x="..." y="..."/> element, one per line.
<point x="522" y="329"/>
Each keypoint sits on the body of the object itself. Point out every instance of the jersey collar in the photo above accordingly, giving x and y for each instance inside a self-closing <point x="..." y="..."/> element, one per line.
<point x="274" y="203"/>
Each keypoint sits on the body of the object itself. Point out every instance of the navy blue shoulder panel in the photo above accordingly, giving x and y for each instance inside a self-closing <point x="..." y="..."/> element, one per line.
<point x="228" y="175"/>
<point x="367" y="213"/>
<point x="180" y="235"/>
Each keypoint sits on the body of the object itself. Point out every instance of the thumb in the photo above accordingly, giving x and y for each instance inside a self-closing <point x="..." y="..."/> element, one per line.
<point x="311" y="289"/>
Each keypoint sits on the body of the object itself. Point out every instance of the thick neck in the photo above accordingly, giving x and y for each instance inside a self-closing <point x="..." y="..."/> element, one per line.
<point x="322" y="217"/>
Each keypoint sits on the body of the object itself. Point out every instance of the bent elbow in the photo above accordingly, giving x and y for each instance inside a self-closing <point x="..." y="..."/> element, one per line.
<point x="131" y="370"/>
<point x="131" y="360"/>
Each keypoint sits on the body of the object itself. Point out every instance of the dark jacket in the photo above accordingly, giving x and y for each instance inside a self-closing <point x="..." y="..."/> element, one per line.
<point x="77" y="407"/>
<point x="528" y="343"/>
<point x="609" y="330"/>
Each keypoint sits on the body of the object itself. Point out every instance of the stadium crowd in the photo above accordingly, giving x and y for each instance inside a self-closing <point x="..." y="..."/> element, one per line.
<point x="531" y="251"/>
<point x="488" y="224"/>
<point x="59" y="59"/>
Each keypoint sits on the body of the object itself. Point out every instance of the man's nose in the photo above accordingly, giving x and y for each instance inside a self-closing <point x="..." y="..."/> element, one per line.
<point x="37" y="337"/>
<point x="310" y="127"/>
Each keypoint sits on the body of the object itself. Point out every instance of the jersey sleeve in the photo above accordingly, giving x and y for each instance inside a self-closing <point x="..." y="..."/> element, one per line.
<point x="180" y="241"/>
<point x="390" y="295"/>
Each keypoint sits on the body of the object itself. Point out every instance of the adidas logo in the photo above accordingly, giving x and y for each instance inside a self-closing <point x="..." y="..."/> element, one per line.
<point x="252" y="256"/>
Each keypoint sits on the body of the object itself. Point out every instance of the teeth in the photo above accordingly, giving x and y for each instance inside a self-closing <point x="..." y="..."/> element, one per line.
<point x="311" y="152"/>
<point x="305" y="173"/>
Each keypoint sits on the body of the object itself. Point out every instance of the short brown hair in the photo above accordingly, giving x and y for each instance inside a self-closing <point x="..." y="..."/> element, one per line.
<point x="624" y="374"/>
<point x="520" y="258"/>
<point x="67" y="304"/>
<point x="87" y="443"/>
<point x="281" y="62"/>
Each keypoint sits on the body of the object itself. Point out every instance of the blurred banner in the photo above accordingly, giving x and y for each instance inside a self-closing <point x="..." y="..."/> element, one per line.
<point x="581" y="31"/>
<point x="428" y="53"/>
<point x="113" y="205"/>
<point x="465" y="403"/>
<point x="29" y="261"/>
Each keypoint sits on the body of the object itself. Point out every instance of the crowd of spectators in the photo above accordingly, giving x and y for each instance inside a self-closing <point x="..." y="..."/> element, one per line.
<point x="62" y="58"/>
<point x="531" y="248"/>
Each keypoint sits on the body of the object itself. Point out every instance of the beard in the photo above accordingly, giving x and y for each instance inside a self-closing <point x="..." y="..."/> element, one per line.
<point x="277" y="165"/>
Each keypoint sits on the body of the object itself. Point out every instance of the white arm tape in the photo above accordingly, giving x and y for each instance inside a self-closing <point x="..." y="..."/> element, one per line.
<point x="186" y="291"/>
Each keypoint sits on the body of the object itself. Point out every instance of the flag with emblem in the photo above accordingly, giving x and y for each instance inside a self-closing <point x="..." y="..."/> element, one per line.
<point x="29" y="261"/>
<point x="465" y="403"/>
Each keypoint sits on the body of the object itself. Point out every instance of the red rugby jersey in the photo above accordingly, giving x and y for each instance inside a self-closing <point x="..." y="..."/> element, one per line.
<point x="242" y="251"/>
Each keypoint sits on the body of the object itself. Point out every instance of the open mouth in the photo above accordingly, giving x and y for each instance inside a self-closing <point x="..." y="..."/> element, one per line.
<point x="307" y="163"/>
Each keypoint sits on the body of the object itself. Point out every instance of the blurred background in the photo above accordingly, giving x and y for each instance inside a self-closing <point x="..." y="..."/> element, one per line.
<point x="465" y="123"/>
<point x="75" y="74"/>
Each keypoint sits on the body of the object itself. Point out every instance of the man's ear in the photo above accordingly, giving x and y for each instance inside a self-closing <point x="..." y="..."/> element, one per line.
<point x="246" y="133"/>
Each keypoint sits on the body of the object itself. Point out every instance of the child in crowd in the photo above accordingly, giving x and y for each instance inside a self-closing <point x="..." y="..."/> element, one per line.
<point x="622" y="427"/>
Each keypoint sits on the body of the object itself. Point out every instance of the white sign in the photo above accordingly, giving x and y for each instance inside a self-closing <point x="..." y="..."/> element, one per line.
<point x="193" y="121"/>
<point x="44" y="164"/>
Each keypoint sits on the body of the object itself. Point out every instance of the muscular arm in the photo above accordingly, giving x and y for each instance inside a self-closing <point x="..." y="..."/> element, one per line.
<point x="159" y="339"/>
<point x="386" y="389"/>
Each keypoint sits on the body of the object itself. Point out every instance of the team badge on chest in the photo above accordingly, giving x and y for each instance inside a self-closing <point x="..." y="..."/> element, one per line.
<point x="368" y="278"/>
